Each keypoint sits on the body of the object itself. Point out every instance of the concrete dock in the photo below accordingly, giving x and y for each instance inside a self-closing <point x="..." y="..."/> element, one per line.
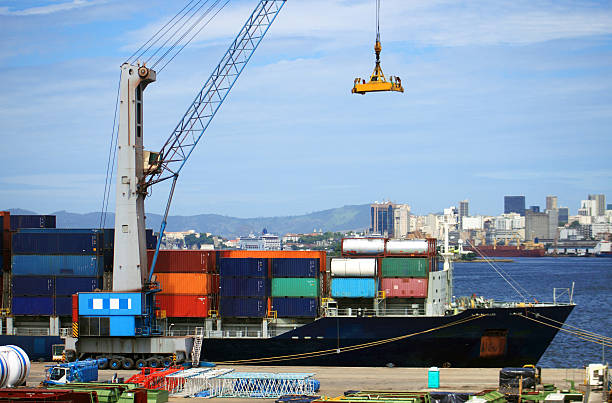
<point x="336" y="380"/>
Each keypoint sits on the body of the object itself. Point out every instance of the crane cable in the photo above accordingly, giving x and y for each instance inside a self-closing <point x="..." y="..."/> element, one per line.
<point x="579" y="335"/>
<point x="586" y="332"/>
<point x="504" y="275"/>
<point x="377" y="20"/>
<point x="349" y="348"/>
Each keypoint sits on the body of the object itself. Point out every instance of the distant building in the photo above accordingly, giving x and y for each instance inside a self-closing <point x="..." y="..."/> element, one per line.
<point x="535" y="209"/>
<point x="464" y="209"/>
<point x="381" y="217"/>
<point x="600" y="204"/>
<point x="553" y="223"/>
<point x="587" y="208"/>
<point x="536" y="225"/>
<point x="514" y="204"/>
<point x="563" y="215"/>
<point x="608" y="206"/>
<point x="551" y="202"/>
<point x="262" y="242"/>
<point x="472" y="223"/>
<point x="401" y="220"/>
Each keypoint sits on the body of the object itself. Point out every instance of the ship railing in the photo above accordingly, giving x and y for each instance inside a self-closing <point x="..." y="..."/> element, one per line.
<point x="367" y="312"/>
<point x="30" y="331"/>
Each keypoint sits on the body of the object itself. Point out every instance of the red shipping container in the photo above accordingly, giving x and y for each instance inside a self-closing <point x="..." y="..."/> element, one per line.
<point x="184" y="306"/>
<point x="404" y="287"/>
<point x="183" y="261"/>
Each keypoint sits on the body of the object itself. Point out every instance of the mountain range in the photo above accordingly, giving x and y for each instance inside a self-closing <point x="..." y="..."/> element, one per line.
<point x="354" y="217"/>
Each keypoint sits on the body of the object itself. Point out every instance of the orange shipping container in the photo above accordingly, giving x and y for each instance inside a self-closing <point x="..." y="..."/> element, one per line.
<point x="183" y="306"/>
<point x="185" y="283"/>
<point x="278" y="254"/>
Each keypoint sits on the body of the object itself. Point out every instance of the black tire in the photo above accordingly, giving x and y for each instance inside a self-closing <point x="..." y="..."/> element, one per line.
<point x="167" y="361"/>
<point x="127" y="363"/>
<point x="153" y="362"/>
<point x="70" y="355"/>
<point x="141" y="363"/>
<point x="103" y="364"/>
<point x="115" y="364"/>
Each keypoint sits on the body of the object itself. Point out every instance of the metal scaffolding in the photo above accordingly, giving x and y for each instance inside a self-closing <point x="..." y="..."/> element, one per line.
<point x="263" y="385"/>
<point x="192" y="381"/>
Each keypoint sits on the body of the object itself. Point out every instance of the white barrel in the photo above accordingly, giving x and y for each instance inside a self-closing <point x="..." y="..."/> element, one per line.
<point x="14" y="366"/>
<point x="406" y="246"/>
<point x="363" y="246"/>
<point x="353" y="267"/>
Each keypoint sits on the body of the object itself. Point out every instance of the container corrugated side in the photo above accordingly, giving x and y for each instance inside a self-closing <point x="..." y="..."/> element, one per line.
<point x="184" y="306"/>
<point x="404" y="287"/>
<point x="295" y="267"/>
<point x="243" y="267"/>
<point x="72" y="285"/>
<point x="295" y="287"/>
<point x="342" y="287"/>
<point x="244" y="287"/>
<point x="278" y="254"/>
<point x="54" y="242"/>
<point x="57" y="265"/>
<point x="183" y="261"/>
<point x="185" y="283"/>
<point x="32" y="221"/>
<point x="404" y="267"/>
<point x="32" y="306"/>
<point x="243" y="307"/>
<point x="32" y="285"/>
<point x="63" y="306"/>
<point x="295" y="307"/>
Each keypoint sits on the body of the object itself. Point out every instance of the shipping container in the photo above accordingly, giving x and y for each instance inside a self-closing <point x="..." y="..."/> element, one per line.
<point x="404" y="267"/>
<point x="363" y="246"/>
<point x="341" y="267"/>
<point x="404" y="287"/>
<point x="72" y="285"/>
<point x="58" y="265"/>
<point x="32" y="221"/>
<point x="243" y="307"/>
<point x="183" y="261"/>
<point x="32" y="306"/>
<point x="353" y="287"/>
<point x="407" y="247"/>
<point x="108" y="241"/>
<point x="63" y="306"/>
<point x="30" y="285"/>
<point x="243" y="267"/>
<point x="244" y="287"/>
<point x="295" y="307"/>
<point x="54" y="241"/>
<point x="277" y="254"/>
<point x="184" y="306"/>
<point x="298" y="267"/>
<point x="295" y="287"/>
<point x="185" y="283"/>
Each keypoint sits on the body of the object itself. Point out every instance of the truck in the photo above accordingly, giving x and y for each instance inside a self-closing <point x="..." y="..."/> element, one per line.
<point x="76" y="371"/>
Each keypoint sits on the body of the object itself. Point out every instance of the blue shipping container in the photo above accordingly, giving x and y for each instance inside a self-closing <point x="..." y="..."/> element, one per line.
<point x="32" y="306"/>
<point x="243" y="267"/>
<point x="32" y="221"/>
<point x="109" y="239"/>
<point x="72" y="285"/>
<point x="63" y="306"/>
<point x="243" y="307"/>
<point x="36" y="347"/>
<point x="295" y="307"/>
<point x="58" y="265"/>
<point x="353" y="287"/>
<point x="244" y="287"/>
<point x="110" y="303"/>
<point x="29" y="285"/>
<point x="289" y="267"/>
<point x="53" y="242"/>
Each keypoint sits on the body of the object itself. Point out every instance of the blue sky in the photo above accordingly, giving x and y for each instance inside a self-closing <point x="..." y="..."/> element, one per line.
<point x="501" y="98"/>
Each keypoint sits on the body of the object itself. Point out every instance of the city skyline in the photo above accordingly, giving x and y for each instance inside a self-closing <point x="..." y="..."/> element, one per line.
<point x="498" y="100"/>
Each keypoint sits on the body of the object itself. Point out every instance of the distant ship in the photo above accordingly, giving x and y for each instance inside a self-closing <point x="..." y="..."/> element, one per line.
<point x="603" y="249"/>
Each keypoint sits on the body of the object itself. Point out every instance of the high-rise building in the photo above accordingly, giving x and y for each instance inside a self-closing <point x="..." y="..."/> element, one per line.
<point x="551" y="202"/>
<point x="514" y="204"/>
<point x="401" y="218"/>
<point x="535" y="209"/>
<point x="600" y="204"/>
<point x="536" y="225"/>
<point x="608" y="206"/>
<point x="553" y="223"/>
<point x="382" y="218"/>
<point x="464" y="209"/>
<point x="563" y="215"/>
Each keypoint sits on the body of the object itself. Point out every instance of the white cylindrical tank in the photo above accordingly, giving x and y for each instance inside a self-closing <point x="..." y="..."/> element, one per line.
<point x="363" y="246"/>
<point x="14" y="366"/>
<point x="406" y="246"/>
<point x="353" y="267"/>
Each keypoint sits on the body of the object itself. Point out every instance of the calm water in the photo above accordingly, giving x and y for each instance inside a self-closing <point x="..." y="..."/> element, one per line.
<point x="592" y="295"/>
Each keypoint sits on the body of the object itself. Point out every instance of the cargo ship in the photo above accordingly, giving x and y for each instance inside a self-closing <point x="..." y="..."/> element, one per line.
<point x="383" y="302"/>
<point x="506" y="251"/>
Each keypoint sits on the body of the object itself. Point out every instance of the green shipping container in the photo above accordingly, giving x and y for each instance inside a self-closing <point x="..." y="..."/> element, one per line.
<point x="404" y="267"/>
<point x="295" y="287"/>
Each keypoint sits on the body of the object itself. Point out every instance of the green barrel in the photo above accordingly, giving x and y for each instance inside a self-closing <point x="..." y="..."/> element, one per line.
<point x="404" y="267"/>
<point x="295" y="287"/>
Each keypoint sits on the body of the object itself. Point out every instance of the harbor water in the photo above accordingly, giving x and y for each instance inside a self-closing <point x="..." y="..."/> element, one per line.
<point x="538" y="276"/>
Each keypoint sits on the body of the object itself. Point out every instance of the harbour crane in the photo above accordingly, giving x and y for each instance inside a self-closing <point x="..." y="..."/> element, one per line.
<point x="377" y="81"/>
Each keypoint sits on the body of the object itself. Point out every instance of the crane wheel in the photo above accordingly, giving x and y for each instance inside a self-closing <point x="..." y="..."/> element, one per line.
<point x="103" y="365"/>
<point x="153" y="362"/>
<point x="127" y="363"/>
<point x="141" y="363"/>
<point x="167" y="361"/>
<point x="115" y="363"/>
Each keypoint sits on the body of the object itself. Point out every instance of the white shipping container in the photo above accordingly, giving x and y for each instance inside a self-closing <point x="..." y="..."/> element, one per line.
<point x="353" y="267"/>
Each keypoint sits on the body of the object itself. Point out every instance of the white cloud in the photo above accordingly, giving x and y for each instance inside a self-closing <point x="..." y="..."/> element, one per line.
<point x="49" y="9"/>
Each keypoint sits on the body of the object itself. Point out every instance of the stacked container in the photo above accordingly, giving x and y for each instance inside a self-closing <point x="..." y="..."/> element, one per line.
<point x="295" y="287"/>
<point x="188" y="281"/>
<point x="244" y="287"/>
<point x="354" y="278"/>
<point x="49" y="265"/>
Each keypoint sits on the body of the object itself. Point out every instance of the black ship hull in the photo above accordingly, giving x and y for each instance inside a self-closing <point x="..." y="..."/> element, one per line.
<point x="490" y="337"/>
